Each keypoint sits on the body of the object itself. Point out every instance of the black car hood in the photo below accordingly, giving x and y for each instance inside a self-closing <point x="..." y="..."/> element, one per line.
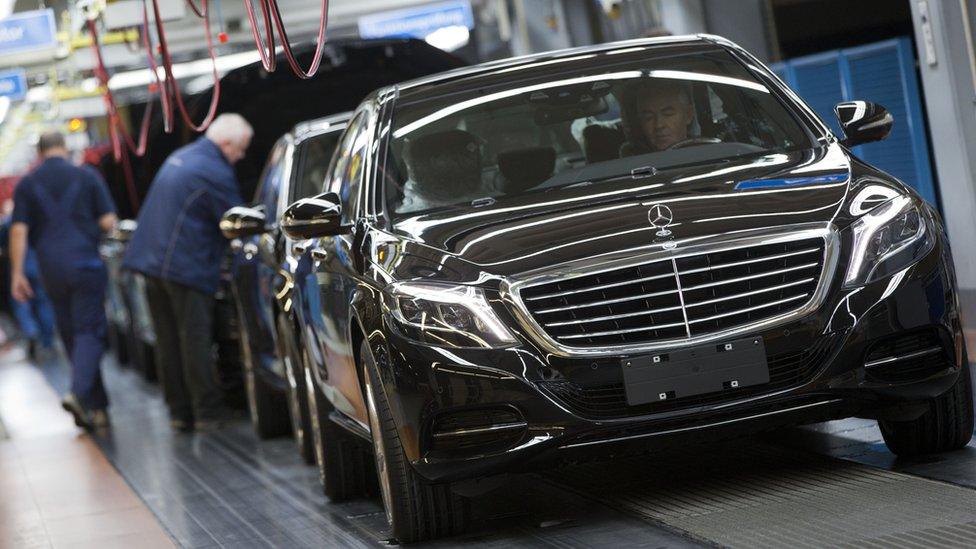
<point x="538" y="230"/>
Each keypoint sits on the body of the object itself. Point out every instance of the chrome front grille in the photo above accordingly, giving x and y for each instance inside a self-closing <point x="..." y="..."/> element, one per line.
<point x="683" y="297"/>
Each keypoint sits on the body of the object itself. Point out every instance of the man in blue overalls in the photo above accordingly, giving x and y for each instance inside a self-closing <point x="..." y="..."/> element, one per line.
<point x="63" y="210"/>
<point x="178" y="246"/>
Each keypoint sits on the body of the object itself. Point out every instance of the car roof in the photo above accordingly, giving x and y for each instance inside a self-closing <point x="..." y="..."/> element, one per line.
<point x="318" y="126"/>
<point x="508" y="64"/>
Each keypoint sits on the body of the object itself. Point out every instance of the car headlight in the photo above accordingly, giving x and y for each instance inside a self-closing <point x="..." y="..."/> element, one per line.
<point x="446" y="315"/>
<point x="887" y="239"/>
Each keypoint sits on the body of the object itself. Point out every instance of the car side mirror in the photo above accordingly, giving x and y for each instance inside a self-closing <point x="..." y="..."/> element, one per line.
<point x="242" y="221"/>
<point x="123" y="230"/>
<point x="313" y="217"/>
<point x="863" y="122"/>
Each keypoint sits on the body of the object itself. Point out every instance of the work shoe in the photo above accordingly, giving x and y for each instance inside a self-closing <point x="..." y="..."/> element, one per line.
<point x="72" y="406"/>
<point x="99" y="419"/>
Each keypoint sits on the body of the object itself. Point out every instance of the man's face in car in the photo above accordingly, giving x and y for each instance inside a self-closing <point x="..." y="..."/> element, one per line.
<point x="664" y="117"/>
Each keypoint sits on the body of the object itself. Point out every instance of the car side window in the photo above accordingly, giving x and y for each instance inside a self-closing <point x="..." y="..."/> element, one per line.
<point x="271" y="180"/>
<point x="315" y="154"/>
<point x="348" y="165"/>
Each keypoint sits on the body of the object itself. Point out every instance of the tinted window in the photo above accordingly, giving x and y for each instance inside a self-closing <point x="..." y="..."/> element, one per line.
<point x="588" y="123"/>
<point x="314" y="155"/>
<point x="272" y="180"/>
<point x="348" y="165"/>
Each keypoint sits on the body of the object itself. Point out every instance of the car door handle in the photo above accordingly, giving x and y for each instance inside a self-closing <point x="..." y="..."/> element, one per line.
<point x="321" y="254"/>
<point x="299" y="248"/>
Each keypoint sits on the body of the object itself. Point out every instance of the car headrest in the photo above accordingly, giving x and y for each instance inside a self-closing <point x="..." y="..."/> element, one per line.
<point x="526" y="168"/>
<point x="602" y="143"/>
<point x="445" y="164"/>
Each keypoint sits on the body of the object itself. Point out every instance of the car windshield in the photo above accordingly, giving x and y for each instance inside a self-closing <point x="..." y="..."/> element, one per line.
<point x="582" y="126"/>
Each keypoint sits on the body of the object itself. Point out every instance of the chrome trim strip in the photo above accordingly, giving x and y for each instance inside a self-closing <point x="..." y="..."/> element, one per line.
<point x="906" y="356"/>
<point x="479" y="430"/>
<point x="747" y="294"/>
<point x="704" y="426"/>
<point x="750" y="309"/>
<point x="510" y="288"/>
<point x="600" y="287"/>
<point x="681" y="296"/>
<point x="605" y="302"/>
<point x="627" y="331"/>
<point x="613" y="317"/>
<point x="748" y="262"/>
<point x="750" y="277"/>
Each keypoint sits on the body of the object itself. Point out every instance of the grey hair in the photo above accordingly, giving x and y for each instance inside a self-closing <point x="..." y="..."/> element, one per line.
<point x="229" y="127"/>
<point x="48" y="140"/>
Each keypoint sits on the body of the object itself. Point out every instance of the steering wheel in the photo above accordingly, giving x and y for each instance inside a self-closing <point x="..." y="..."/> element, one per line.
<point x="694" y="141"/>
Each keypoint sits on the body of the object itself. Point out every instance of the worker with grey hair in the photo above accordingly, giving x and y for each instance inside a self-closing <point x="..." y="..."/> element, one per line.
<point x="63" y="210"/>
<point x="178" y="246"/>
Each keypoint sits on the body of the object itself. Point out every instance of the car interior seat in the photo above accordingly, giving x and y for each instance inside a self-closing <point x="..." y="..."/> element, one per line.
<point x="602" y="142"/>
<point x="444" y="166"/>
<point x="523" y="169"/>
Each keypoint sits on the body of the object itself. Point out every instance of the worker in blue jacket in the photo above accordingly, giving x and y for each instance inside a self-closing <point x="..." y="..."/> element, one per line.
<point x="63" y="210"/>
<point x="178" y="246"/>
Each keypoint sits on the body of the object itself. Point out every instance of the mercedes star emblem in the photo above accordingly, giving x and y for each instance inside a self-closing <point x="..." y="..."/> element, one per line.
<point x="660" y="217"/>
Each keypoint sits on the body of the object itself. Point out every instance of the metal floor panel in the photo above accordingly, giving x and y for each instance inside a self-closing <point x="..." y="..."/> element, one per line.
<point x="785" y="489"/>
<point x="768" y="496"/>
<point x="229" y="489"/>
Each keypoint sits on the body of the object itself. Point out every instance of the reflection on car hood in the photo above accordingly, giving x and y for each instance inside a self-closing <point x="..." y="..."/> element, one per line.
<point x="537" y="230"/>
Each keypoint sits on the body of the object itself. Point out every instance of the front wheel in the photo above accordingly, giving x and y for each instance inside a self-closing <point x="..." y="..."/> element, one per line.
<point x="415" y="509"/>
<point x="946" y="425"/>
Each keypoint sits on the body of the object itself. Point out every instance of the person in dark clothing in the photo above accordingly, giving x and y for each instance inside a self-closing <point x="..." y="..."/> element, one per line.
<point x="35" y="317"/>
<point x="63" y="210"/>
<point x="661" y="114"/>
<point x="178" y="246"/>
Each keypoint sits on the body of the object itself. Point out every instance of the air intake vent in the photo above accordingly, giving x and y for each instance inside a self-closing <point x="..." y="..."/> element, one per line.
<point x="907" y="357"/>
<point x="610" y="401"/>
<point x="481" y="429"/>
<point x="678" y="299"/>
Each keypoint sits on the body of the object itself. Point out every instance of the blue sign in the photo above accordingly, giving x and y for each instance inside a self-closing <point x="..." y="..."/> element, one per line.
<point x="13" y="84"/>
<point x="417" y="22"/>
<point x="28" y="31"/>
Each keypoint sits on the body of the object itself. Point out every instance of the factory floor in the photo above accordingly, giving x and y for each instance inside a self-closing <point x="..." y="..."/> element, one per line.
<point x="140" y="484"/>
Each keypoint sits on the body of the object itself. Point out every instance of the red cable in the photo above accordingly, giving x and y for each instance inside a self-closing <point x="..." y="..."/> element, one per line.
<point x="267" y="50"/>
<point x="286" y="44"/>
<point x="117" y="133"/>
<point x="201" y="13"/>
<point x="172" y="86"/>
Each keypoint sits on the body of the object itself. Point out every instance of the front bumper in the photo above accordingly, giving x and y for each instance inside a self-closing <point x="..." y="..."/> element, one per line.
<point x="551" y="408"/>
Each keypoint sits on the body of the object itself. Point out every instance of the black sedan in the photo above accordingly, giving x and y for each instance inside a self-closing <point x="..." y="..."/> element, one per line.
<point x="610" y="249"/>
<point x="263" y="273"/>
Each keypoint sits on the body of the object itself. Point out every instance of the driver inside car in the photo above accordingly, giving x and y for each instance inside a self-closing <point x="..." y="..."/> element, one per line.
<point x="664" y="115"/>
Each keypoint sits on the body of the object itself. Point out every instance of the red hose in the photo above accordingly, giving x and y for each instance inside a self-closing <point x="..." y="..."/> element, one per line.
<point x="267" y="50"/>
<point x="266" y="46"/>
<point x="121" y="140"/>
<point x="171" y="86"/>
<point x="286" y="44"/>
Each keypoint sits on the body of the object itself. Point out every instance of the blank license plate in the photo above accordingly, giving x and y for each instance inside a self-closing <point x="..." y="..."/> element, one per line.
<point x="712" y="368"/>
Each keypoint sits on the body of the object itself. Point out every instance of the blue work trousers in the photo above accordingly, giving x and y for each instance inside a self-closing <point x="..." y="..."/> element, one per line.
<point x="78" y="297"/>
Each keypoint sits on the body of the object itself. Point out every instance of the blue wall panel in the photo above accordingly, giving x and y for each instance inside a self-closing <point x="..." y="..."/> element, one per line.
<point x="883" y="73"/>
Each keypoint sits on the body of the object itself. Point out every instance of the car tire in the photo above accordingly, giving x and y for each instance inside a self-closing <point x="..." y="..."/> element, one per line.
<point x="415" y="508"/>
<point x="946" y="425"/>
<point x="116" y="342"/>
<point x="297" y="396"/>
<point x="267" y="406"/>
<point x="342" y="457"/>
